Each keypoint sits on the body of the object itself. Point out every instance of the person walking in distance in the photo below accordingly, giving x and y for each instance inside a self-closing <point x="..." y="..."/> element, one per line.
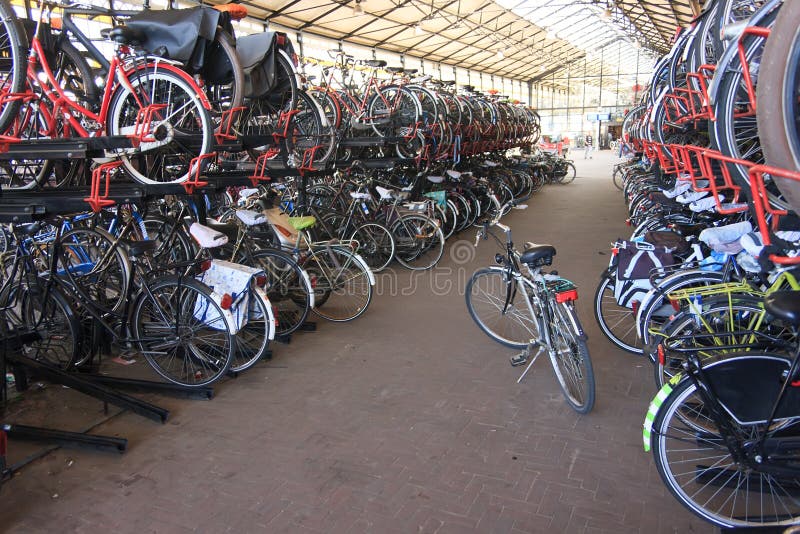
<point x="587" y="144"/>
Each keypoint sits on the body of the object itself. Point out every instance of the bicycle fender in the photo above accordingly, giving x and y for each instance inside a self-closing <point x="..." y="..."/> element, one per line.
<point x="307" y="282"/>
<point x="363" y="263"/>
<point x="652" y="410"/>
<point x="270" y="313"/>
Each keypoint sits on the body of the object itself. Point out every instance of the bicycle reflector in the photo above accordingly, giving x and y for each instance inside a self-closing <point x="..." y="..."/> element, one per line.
<point x="261" y="280"/>
<point x="661" y="358"/>
<point x="226" y="301"/>
<point x="205" y="265"/>
<point x="567" y="296"/>
<point x="282" y="230"/>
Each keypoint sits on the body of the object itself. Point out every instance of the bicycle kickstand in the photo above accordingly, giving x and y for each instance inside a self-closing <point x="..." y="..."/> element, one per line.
<point x="524" y="356"/>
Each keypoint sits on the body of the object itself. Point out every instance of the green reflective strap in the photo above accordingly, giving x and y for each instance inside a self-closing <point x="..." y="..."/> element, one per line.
<point x="652" y="410"/>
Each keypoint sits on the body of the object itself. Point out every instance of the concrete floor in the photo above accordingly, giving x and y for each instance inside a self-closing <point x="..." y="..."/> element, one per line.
<point x="407" y="420"/>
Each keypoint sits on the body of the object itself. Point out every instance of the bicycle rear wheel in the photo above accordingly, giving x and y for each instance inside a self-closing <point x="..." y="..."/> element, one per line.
<point x="176" y="134"/>
<point x="571" y="362"/>
<point x="697" y="467"/>
<point x="182" y="332"/>
<point x="252" y="340"/>
<point x="499" y="308"/>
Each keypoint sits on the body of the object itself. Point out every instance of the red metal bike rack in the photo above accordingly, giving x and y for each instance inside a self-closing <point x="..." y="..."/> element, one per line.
<point x="261" y="170"/>
<point x="95" y="200"/>
<point x="762" y="207"/>
<point x="195" y="172"/>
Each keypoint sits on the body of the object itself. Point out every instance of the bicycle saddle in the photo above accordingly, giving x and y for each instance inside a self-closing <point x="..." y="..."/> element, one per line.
<point x="436" y="179"/>
<point x="207" y="237"/>
<point x="28" y="228"/>
<point x="250" y="217"/>
<point x="410" y="71"/>
<point x="138" y="248"/>
<point x="537" y="255"/>
<point x="375" y="63"/>
<point x="395" y="70"/>
<point x="123" y="35"/>
<point x="784" y="305"/>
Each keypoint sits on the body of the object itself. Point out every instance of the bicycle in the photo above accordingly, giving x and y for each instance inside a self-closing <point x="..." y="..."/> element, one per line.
<point x="177" y="323"/>
<point x="723" y="432"/>
<point x="518" y="305"/>
<point x="155" y="115"/>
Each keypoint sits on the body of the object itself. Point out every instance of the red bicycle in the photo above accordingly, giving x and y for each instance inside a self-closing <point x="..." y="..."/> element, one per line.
<point x="152" y="116"/>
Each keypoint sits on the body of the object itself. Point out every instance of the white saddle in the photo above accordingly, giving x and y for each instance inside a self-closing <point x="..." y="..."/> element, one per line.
<point x="436" y="179"/>
<point x="360" y="196"/>
<point x="207" y="237"/>
<point x="251" y="217"/>
<point x="250" y="191"/>
<point x="455" y="175"/>
<point x="691" y="196"/>
<point x="705" y="204"/>
<point x="679" y="189"/>
<point x="386" y="194"/>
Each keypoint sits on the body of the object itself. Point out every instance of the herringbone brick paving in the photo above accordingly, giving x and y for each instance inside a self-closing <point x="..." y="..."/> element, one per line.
<point x="407" y="420"/>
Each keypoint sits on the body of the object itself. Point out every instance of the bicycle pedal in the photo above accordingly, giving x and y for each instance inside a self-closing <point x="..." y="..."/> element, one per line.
<point x="519" y="359"/>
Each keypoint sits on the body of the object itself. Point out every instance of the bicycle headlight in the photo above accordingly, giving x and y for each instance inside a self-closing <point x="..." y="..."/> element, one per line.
<point x="499" y="258"/>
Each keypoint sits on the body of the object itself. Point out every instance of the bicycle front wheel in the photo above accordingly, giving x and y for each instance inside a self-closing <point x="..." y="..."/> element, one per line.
<point x="498" y="306"/>
<point x="179" y="128"/>
<point x="570" y="358"/>
<point x="697" y="467"/>
<point x="55" y="322"/>
<point x="182" y="332"/>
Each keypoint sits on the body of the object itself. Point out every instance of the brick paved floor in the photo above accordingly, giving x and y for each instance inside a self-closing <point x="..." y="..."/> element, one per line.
<point x="406" y="420"/>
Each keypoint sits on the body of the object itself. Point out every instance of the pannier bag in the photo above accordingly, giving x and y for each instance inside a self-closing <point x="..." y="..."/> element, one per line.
<point x="233" y="279"/>
<point x="258" y="55"/>
<point x="635" y="260"/>
<point x="179" y="34"/>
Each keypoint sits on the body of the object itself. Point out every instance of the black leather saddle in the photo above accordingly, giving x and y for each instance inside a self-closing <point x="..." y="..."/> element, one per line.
<point x="784" y="305"/>
<point x="124" y="35"/>
<point x="537" y="255"/>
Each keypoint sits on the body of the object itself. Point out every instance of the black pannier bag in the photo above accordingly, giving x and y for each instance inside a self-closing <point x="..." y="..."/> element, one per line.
<point x="179" y="34"/>
<point x="258" y="54"/>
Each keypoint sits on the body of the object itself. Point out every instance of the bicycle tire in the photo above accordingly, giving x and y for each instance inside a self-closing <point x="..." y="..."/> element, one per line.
<point x="57" y="324"/>
<point x="198" y="350"/>
<point x="187" y="138"/>
<point x="486" y="292"/>
<point x="702" y="458"/>
<point x="570" y="174"/>
<point x="343" y="283"/>
<point x="777" y="100"/>
<point x="375" y="245"/>
<point x="570" y="358"/>
<point x="96" y="269"/>
<point x="288" y="288"/>
<point x="15" y="46"/>
<point x="419" y="242"/>
<point x="252" y="340"/>
<point x="616" y="322"/>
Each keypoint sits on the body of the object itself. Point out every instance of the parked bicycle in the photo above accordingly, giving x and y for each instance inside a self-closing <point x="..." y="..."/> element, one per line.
<point x="519" y="305"/>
